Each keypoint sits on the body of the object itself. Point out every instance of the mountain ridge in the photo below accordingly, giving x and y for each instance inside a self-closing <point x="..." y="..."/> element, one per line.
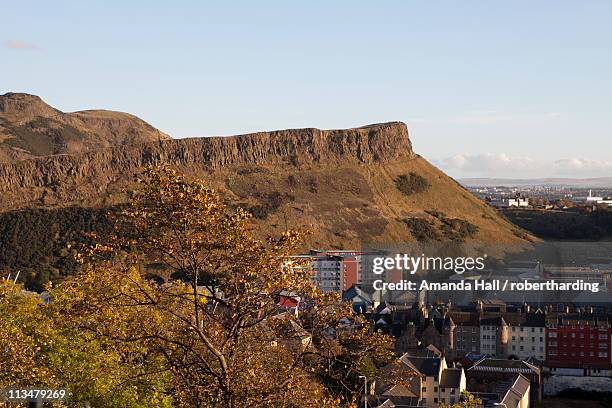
<point x="342" y="183"/>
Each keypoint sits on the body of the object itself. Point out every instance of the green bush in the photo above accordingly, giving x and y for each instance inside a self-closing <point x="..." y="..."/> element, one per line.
<point x="457" y="229"/>
<point x="411" y="183"/>
<point x="422" y="230"/>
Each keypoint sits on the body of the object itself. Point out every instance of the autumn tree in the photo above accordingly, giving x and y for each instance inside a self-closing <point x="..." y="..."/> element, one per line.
<point x="218" y="331"/>
<point x="468" y="400"/>
<point x="42" y="347"/>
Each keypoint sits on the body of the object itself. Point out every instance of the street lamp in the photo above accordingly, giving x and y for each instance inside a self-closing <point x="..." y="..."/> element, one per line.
<point x="365" y="390"/>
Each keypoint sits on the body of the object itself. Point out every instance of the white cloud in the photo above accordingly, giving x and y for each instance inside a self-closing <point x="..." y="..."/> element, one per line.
<point x="505" y="165"/>
<point x="492" y="162"/>
<point x="583" y="165"/>
<point x="20" y="45"/>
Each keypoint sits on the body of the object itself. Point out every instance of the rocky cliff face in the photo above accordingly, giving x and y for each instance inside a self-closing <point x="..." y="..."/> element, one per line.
<point x="342" y="184"/>
<point x="63" y="179"/>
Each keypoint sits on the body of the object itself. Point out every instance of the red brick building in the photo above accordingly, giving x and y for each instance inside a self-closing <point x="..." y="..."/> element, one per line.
<point x="578" y="340"/>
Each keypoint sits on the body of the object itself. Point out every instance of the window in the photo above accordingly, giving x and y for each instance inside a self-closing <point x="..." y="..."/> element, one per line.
<point x="603" y="354"/>
<point x="552" y="335"/>
<point x="435" y="389"/>
<point x="452" y="391"/>
<point x="424" y="389"/>
<point x="603" y="337"/>
<point x="533" y="329"/>
<point x="435" y="400"/>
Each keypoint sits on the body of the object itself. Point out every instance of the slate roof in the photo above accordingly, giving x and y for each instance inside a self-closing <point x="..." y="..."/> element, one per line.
<point x="492" y="321"/>
<point x="428" y="366"/>
<point x="464" y="318"/>
<point x="399" y="390"/>
<point x="516" y="392"/>
<point x="501" y="365"/>
<point x="451" y="378"/>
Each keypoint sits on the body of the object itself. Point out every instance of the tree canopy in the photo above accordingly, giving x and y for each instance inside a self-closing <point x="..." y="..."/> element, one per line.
<point x="206" y="329"/>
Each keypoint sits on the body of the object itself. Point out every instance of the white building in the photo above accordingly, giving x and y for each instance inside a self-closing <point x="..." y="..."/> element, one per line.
<point x="527" y="338"/>
<point x="429" y="383"/>
<point x="440" y="384"/>
<point x="593" y="200"/>
<point x="518" y="202"/>
<point x="517" y="395"/>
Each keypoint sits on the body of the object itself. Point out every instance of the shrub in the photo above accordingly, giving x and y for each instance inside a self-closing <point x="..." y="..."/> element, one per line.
<point x="411" y="183"/>
<point x="269" y="203"/>
<point x="422" y="230"/>
<point x="457" y="229"/>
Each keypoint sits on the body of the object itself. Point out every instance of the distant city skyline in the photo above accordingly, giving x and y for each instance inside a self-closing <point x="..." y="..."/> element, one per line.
<point x="520" y="89"/>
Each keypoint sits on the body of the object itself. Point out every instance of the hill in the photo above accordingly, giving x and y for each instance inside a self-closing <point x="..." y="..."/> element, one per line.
<point x="350" y="187"/>
<point x="30" y="128"/>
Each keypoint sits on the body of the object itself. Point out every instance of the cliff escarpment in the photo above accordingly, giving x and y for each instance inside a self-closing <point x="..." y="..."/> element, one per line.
<point x="60" y="173"/>
<point x="80" y="178"/>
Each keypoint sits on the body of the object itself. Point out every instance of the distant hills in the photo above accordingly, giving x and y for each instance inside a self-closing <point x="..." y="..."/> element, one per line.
<point x="598" y="182"/>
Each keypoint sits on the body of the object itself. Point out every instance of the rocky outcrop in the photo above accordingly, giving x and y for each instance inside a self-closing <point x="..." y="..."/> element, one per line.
<point x="22" y="106"/>
<point x="30" y="128"/>
<point x="65" y="179"/>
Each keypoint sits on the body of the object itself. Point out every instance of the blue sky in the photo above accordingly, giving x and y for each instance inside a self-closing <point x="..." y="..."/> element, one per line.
<point x="518" y="88"/>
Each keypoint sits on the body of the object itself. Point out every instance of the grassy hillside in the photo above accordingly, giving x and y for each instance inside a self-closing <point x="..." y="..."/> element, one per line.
<point x="347" y="206"/>
<point x="344" y="207"/>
